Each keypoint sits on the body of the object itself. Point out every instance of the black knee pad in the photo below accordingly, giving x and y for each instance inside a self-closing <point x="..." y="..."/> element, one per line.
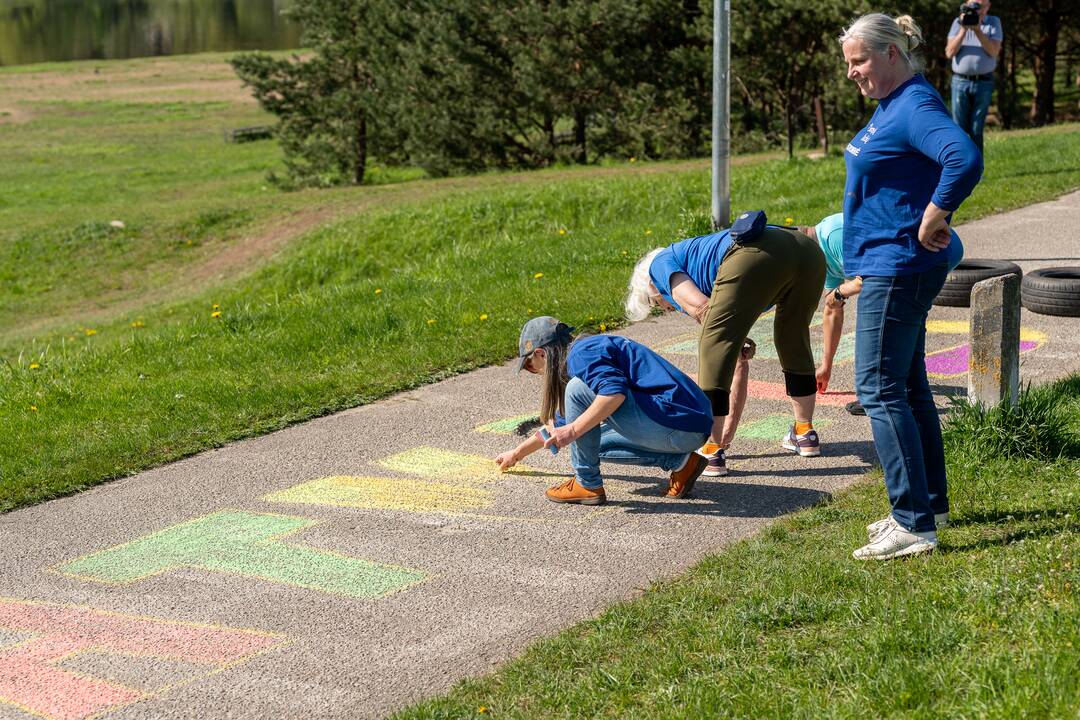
<point x="799" y="385"/>
<point x="719" y="399"/>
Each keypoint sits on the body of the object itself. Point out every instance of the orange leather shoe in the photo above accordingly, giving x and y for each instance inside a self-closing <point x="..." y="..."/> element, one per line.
<point x="572" y="492"/>
<point x="682" y="480"/>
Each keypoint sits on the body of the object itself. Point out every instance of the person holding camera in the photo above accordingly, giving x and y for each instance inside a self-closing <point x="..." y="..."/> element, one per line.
<point x="973" y="46"/>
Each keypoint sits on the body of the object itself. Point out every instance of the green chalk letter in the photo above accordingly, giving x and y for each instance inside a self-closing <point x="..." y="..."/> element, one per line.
<point x="243" y="543"/>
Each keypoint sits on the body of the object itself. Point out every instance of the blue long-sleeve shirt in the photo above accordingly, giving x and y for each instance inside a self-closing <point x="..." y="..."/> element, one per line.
<point x="909" y="154"/>
<point x="613" y="365"/>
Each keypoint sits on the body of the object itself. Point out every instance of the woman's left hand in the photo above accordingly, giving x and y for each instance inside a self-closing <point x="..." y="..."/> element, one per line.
<point x="934" y="232"/>
<point x="562" y="436"/>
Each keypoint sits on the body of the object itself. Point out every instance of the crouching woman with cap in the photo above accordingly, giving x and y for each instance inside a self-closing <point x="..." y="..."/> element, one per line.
<point x="611" y="399"/>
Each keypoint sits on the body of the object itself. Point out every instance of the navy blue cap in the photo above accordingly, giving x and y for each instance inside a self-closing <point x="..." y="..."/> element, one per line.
<point x="748" y="226"/>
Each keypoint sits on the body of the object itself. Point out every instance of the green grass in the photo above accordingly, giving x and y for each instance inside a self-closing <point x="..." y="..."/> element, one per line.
<point x="379" y="303"/>
<point x="787" y="625"/>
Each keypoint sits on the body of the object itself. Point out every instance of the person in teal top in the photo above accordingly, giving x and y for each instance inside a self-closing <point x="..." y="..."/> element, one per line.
<point x="830" y="236"/>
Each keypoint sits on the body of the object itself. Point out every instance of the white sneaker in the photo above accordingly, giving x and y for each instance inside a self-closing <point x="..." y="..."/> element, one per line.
<point x="897" y="542"/>
<point x="875" y="529"/>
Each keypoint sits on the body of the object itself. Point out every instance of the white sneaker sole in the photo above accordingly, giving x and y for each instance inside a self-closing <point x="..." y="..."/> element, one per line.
<point x="876" y="530"/>
<point x="917" y="549"/>
<point x="812" y="452"/>
<point x="714" y="473"/>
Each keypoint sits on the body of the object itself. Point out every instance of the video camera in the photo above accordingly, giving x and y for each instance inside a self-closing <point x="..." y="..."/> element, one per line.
<point x="969" y="14"/>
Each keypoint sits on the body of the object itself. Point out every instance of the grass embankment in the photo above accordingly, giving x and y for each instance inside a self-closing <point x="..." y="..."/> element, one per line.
<point x="420" y="285"/>
<point x="787" y="625"/>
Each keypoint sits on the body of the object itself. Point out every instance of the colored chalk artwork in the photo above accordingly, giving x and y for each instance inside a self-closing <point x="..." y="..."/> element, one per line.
<point x="451" y="482"/>
<point x="772" y="427"/>
<point x="45" y="674"/>
<point x="762" y="334"/>
<point x="376" y="493"/>
<point x="954" y="361"/>
<point x="508" y="426"/>
<point x="248" y="544"/>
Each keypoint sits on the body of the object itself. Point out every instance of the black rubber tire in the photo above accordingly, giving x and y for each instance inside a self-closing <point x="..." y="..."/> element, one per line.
<point x="1052" y="291"/>
<point x="957" y="289"/>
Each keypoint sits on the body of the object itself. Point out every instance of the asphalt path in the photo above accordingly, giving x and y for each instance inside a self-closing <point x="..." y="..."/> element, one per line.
<point x="353" y="564"/>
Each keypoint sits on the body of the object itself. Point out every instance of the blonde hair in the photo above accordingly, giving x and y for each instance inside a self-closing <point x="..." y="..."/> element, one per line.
<point x="637" y="303"/>
<point x="879" y="31"/>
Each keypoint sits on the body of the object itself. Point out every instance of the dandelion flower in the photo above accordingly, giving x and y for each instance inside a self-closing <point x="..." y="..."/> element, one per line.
<point x="33" y="408"/>
<point x="537" y="276"/>
<point x="648" y="232"/>
<point x="431" y="321"/>
<point x="215" y="306"/>
<point x="633" y="159"/>
<point x="482" y="710"/>
<point x="90" y="331"/>
<point x="378" y="291"/>
<point x="789" y="221"/>
<point x="483" y="316"/>
<point x="34" y="366"/>
<point x="138" y="324"/>
<point x="603" y="327"/>
<point x="562" y="231"/>
<point x="215" y="314"/>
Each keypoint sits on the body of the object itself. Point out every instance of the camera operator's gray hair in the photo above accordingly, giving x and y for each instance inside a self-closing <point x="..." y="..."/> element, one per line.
<point x="879" y="31"/>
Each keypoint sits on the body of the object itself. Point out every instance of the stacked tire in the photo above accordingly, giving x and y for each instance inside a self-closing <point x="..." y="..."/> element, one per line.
<point x="957" y="289"/>
<point x="1052" y="291"/>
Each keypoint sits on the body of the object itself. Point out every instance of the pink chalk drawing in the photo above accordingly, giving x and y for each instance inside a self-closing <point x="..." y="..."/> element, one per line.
<point x="777" y="391"/>
<point x="954" y="361"/>
<point x="32" y="677"/>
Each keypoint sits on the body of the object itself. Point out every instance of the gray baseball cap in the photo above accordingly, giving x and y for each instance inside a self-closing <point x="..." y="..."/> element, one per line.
<point x="538" y="332"/>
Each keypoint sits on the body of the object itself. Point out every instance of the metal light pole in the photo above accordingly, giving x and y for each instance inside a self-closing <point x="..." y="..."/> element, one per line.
<point x="721" y="124"/>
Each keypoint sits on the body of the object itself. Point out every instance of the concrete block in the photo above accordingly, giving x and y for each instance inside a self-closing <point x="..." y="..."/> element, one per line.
<point x="994" y="369"/>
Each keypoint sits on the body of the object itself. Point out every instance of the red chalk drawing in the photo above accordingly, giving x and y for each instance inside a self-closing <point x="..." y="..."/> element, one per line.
<point x="954" y="360"/>
<point x="777" y="391"/>
<point x="32" y="679"/>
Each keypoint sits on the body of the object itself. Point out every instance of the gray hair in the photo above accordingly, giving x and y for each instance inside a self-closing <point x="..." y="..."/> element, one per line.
<point x="879" y="31"/>
<point x="637" y="303"/>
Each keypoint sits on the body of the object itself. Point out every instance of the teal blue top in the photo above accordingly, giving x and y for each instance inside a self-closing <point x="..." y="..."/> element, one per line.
<point x="830" y="236"/>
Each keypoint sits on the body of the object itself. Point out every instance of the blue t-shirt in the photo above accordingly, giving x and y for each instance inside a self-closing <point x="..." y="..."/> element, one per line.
<point x="614" y="365"/>
<point x="699" y="257"/>
<point x="909" y="154"/>
<point x="830" y="235"/>
<point x="971" y="59"/>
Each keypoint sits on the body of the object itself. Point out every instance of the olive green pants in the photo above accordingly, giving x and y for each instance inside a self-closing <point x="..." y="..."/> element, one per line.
<point x="781" y="268"/>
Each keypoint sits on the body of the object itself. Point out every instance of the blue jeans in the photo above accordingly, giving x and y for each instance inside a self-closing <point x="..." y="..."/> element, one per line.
<point x="970" y="103"/>
<point x="628" y="436"/>
<point x="890" y="380"/>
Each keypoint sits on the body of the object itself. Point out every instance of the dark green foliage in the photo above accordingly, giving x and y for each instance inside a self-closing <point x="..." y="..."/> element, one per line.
<point x="470" y="85"/>
<point x="325" y="102"/>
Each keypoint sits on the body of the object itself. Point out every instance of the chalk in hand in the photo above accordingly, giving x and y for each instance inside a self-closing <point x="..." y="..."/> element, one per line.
<point x="545" y="435"/>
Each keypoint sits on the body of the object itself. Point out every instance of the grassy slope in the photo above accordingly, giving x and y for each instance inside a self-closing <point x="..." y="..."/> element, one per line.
<point x="787" y="625"/>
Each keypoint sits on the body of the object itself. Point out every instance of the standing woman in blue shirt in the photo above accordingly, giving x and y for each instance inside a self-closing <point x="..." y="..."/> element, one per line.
<point x="612" y="399"/>
<point x="907" y="171"/>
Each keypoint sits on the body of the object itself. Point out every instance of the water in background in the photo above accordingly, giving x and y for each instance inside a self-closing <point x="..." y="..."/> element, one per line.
<point x="34" y="31"/>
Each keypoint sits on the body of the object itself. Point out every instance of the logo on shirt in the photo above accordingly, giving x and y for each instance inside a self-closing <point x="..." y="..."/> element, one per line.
<point x="866" y="137"/>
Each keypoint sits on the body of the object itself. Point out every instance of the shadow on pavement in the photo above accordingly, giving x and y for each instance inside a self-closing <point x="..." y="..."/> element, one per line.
<point x="726" y="499"/>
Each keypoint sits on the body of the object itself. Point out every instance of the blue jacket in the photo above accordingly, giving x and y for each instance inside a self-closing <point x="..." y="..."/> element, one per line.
<point x="613" y="365"/>
<point x="911" y="152"/>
